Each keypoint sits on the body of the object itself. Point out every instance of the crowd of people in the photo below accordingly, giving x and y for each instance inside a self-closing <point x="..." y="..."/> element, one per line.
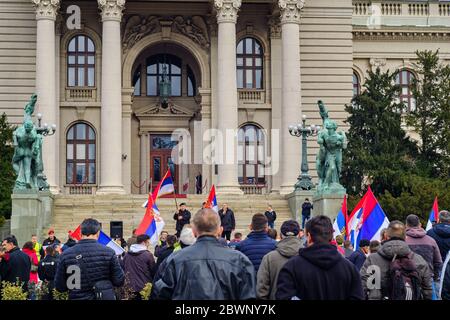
<point x="207" y="259"/>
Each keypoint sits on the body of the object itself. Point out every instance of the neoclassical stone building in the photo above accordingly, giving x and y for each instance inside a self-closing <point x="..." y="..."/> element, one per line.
<point x="131" y="72"/>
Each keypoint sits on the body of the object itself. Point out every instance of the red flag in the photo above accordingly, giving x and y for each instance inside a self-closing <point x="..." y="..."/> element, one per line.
<point x="77" y="233"/>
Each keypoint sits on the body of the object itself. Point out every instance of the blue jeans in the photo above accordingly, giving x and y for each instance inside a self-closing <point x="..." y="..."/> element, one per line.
<point x="304" y="219"/>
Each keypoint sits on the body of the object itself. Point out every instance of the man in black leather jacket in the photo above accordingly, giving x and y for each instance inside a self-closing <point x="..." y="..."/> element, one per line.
<point x="206" y="270"/>
<point x="96" y="262"/>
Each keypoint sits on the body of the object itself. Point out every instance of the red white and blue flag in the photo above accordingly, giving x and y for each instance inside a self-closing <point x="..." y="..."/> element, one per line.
<point x="102" y="239"/>
<point x="164" y="187"/>
<point x="434" y="215"/>
<point x="340" y="223"/>
<point x="212" y="200"/>
<point x="152" y="223"/>
<point x="367" y="220"/>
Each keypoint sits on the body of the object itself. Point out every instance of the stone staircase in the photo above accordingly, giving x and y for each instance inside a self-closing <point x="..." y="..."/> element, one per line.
<point x="70" y="210"/>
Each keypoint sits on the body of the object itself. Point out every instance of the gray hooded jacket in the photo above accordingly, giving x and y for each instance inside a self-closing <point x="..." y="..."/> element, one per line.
<point x="382" y="260"/>
<point x="271" y="264"/>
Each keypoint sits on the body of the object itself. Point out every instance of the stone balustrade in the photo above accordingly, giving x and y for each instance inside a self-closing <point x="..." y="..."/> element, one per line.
<point x="80" y="93"/>
<point x="251" y="96"/>
<point x="376" y="13"/>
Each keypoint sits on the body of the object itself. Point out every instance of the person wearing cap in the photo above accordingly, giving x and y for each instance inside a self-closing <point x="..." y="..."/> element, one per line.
<point x="70" y="241"/>
<point x="51" y="240"/>
<point x="182" y="217"/>
<point x="271" y="264"/>
<point x="359" y="256"/>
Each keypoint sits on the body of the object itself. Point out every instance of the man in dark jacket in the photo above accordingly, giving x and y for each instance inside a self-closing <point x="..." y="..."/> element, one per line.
<point x="271" y="216"/>
<point x="70" y="241"/>
<point x="182" y="217"/>
<point x="441" y="233"/>
<point x="95" y="262"/>
<point x="206" y="270"/>
<point x="258" y="243"/>
<point x="306" y="211"/>
<point x="358" y="257"/>
<point x="319" y="272"/>
<point x="375" y="271"/>
<point x="167" y="250"/>
<point x="227" y="221"/>
<point x="15" y="265"/>
<point x="161" y="243"/>
<point x="267" y="277"/>
<point x="47" y="271"/>
<point x="51" y="240"/>
<point x="426" y="246"/>
<point x="139" y="265"/>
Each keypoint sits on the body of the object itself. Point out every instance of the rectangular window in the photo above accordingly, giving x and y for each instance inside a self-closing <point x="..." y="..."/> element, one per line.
<point x="81" y="59"/>
<point x="91" y="172"/>
<point x="258" y="80"/>
<point x="176" y="86"/>
<point x="151" y="85"/>
<point x="81" y="131"/>
<point x="91" y="151"/>
<point x="81" y="43"/>
<point x="240" y="78"/>
<point x="81" y="173"/>
<point x="81" y="151"/>
<point x="91" y="77"/>
<point x="71" y="77"/>
<point x="156" y="169"/>
<point x="70" y="151"/>
<point x="91" y="60"/>
<point x="69" y="172"/>
<point x="71" y="60"/>
<point x="248" y="78"/>
<point x="81" y="77"/>
<point x="240" y="62"/>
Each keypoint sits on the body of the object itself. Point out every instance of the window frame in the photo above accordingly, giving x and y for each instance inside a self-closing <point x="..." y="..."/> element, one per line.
<point x="253" y="56"/>
<point x="86" y="65"/>
<point x="172" y="60"/>
<point x="407" y="98"/>
<point x="356" y="85"/>
<point x="255" y="144"/>
<point x="75" y="141"/>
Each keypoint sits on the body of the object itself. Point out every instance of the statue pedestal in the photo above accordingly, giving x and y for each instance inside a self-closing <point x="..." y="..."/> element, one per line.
<point x="295" y="200"/>
<point x="31" y="212"/>
<point x="328" y="205"/>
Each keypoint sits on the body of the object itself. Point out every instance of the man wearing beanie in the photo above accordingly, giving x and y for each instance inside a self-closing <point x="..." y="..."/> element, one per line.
<point x="358" y="257"/>
<point x="271" y="264"/>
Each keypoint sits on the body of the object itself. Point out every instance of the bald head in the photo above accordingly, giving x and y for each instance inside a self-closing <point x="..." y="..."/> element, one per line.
<point x="206" y="222"/>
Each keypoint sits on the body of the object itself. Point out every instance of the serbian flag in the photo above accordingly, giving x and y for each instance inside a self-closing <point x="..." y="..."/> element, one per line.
<point x="102" y="239"/>
<point x="212" y="200"/>
<point x="165" y="186"/>
<point x="434" y="215"/>
<point x="152" y="223"/>
<point x="339" y="225"/>
<point x="367" y="220"/>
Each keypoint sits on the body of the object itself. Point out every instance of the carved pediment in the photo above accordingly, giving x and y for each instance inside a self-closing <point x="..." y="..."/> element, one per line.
<point x="137" y="27"/>
<point x="171" y="111"/>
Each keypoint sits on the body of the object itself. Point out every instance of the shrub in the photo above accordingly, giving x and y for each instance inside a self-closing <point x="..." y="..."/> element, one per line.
<point x="13" y="291"/>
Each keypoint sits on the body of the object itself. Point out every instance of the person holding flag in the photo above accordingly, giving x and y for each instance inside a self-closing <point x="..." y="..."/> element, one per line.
<point x="433" y="218"/>
<point x="211" y="203"/>
<point x="182" y="217"/>
<point x="152" y="224"/>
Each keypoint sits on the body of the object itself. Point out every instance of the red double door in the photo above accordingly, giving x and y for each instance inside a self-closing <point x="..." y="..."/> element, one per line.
<point x="161" y="159"/>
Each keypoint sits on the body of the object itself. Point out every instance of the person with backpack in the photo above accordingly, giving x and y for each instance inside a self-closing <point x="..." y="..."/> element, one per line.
<point x="395" y="272"/>
<point x="47" y="270"/>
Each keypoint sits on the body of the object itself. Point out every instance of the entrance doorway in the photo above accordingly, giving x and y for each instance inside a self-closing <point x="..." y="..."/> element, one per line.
<point x="161" y="147"/>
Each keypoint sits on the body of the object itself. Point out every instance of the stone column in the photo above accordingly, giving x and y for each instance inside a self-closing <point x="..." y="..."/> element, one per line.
<point x="206" y="167"/>
<point x="290" y="90"/>
<point x="143" y="162"/>
<point x="227" y="99"/>
<point x="127" y="100"/>
<point x="111" y="93"/>
<point x="46" y="12"/>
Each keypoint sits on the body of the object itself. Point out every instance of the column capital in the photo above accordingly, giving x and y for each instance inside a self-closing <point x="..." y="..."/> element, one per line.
<point x="46" y="9"/>
<point x="290" y="10"/>
<point x="111" y="9"/>
<point x="227" y="10"/>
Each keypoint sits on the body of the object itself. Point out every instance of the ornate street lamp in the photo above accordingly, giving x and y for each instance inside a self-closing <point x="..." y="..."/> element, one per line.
<point x="45" y="130"/>
<point x="304" y="181"/>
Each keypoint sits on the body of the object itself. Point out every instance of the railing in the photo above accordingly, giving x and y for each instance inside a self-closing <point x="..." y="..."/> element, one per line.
<point x="418" y="9"/>
<point x="81" y="189"/>
<point x="253" y="188"/>
<point x="80" y="93"/>
<point x="251" y="96"/>
<point x="361" y="8"/>
<point x="391" y="9"/>
<point x="444" y="10"/>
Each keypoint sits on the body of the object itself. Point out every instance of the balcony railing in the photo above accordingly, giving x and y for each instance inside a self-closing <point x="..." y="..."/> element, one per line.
<point x="81" y="189"/>
<point x="81" y="93"/>
<point x="247" y="96"/>
<point x="395" y="13"/>
<point x="253" y="188"/>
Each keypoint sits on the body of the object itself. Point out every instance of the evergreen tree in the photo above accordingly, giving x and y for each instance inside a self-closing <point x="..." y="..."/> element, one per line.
<point x="431" y="116"/>
<point x="7" y="174"/>
<point x="378" y="152"/>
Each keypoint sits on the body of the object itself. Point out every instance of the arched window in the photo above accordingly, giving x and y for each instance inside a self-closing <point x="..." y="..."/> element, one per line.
<point x="404" y="80"/>
<point x="81" y="62"/>
<point x="80" y="154"/>
<point x="155" y="70"/>
<point x="249" y="64"/>
<point x="251" y="155"/>
<point x="356" y="84"/>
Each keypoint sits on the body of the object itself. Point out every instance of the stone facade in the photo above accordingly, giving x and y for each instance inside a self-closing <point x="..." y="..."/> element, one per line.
<point x="310" y="50"/>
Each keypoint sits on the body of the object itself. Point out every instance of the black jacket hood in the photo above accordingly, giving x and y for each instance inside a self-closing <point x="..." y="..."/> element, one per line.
<point x="324" y="256"/>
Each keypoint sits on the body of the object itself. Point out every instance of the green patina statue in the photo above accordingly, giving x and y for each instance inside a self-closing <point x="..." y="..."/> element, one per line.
<point x="27" y="158"/>
<point x="329" y="158"/>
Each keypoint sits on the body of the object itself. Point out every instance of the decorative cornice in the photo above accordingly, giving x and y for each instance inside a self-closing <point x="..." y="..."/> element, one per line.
<point x="290" y="10"/>
<point x="401" y="35"/>
<point x="46" y="9"/>
<point x="227" y="10"/>
<point x="111" y="9"/>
